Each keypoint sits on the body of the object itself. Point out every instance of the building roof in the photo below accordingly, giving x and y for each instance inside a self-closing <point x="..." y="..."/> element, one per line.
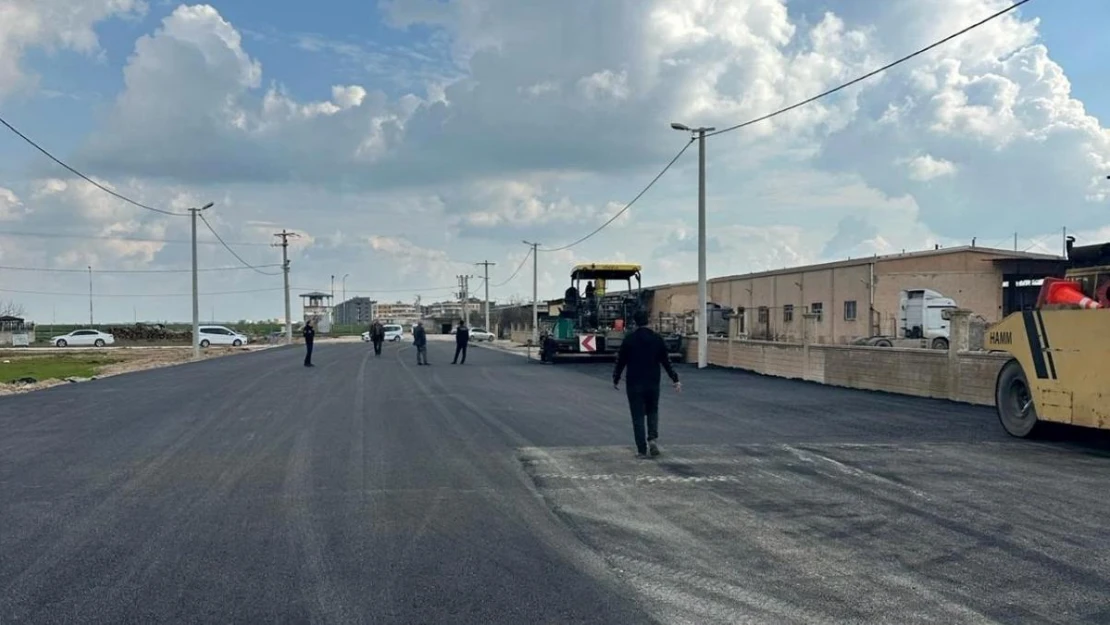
<point x="315" y="294"/>
<point x="997" y="254"/>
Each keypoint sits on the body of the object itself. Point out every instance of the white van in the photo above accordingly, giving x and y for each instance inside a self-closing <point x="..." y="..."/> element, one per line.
<point x="393" y="332"/>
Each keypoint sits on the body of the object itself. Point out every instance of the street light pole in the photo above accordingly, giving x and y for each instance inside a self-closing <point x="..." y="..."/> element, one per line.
<point x="344" y="309"/>
<point x="193" y="212"/>
<point x="703" y="288"/>
<point x="90" y="298"/>
<point x="535" y="296"/>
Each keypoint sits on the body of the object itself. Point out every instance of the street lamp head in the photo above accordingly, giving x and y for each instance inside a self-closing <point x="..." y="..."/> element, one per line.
<point x="207" y="206"/>
<point x="681" y="127"/>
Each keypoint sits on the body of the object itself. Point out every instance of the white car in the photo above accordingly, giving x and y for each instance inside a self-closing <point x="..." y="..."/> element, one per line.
<point x="480" y="334"/>
<point x="393" y="332"/>
<point x="83" y="338"/>
<point x="219" y="335"/>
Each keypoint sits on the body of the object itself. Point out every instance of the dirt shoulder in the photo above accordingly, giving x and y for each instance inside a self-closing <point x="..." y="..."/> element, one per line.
<point x="54" y="368"/>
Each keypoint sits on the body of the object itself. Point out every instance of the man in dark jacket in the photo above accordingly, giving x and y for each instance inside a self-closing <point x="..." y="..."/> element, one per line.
<point x="420" y="342"/>
<point x="309" y="333"/>
<point x="377" y="336"/>
<point x="462" y="339"/>
<point x="643" y="352"/>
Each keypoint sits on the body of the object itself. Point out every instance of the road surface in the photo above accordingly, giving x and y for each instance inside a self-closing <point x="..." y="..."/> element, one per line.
<point x="369" y="490"/>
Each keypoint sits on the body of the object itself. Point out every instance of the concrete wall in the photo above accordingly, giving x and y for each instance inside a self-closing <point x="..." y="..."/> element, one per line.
<point x="964" y="377"/>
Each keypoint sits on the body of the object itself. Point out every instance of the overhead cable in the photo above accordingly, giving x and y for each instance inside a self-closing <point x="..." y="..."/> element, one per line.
<point x="872" y="73"/>
<point x="233" y="253"/>
<point x="83" y="176"/>
<point x="626" y="206"/>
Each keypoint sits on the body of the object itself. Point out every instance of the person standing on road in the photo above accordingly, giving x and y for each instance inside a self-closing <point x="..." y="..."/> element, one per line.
<point x="462" y="339"/>
<point x="309" y="334"/>
<point x="642" y="352"/>
<point x="377" y="336"/>
<point x="420" y="342"/>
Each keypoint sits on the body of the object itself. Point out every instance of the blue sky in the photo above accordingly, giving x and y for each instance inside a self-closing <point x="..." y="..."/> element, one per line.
<point x="416" y="138"/>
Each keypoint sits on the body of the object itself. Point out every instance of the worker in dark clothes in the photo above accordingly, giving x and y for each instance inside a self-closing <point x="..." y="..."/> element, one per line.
<point x="309" y="333"/>
<point x="642" y="352"/>
<point x="420" y="342"/>
<point x="377" y="336"/>
<point x="462" y="339"/>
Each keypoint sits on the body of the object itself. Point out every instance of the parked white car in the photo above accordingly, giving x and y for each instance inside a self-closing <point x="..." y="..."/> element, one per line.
<point x="83" y="338"/>
<point x="219" y="335"/>
<point x="480" y="334"/>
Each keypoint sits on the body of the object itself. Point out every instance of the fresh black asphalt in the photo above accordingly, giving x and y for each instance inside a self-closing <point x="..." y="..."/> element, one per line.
<point x="250" y="489"/>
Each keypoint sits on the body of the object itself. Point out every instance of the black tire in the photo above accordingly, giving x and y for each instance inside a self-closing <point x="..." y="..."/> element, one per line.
<point x="61" y="343"/>
<point x="205" y="342"/>
<point x="236" y="343"/>
<point x="883" y="343"/>
<point x="1014" y="401"/>
<point x="940" y="343"/>
<point x="99" y="343"/>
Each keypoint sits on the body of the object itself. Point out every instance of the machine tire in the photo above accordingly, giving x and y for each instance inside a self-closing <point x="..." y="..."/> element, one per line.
<point x="1011" y="391"/>
<point x="940" y="343"/>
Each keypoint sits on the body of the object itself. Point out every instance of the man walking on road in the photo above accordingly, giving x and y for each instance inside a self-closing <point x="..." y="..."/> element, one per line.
<point x="420" y="342"/>
<point x="377" y="336"/>
<point x="462" y="339"/>
<point x="309" y="334"/>
<point x="642" y="352"/>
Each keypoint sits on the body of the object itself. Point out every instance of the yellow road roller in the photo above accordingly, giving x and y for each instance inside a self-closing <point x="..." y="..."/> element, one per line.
<point x="1060" y="366"/>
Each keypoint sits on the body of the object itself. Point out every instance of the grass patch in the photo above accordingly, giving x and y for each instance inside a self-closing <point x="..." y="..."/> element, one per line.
<point x="52" y="367"/>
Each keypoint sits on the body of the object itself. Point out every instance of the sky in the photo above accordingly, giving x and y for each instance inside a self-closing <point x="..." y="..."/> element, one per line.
<point x="406" y="140"/>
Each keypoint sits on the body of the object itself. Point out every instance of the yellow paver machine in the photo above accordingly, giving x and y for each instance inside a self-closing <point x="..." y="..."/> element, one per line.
<point x="1060" y="370"/>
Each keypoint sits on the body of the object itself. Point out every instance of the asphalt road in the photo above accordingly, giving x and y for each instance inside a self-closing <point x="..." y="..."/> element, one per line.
<point x="369" y="490"/>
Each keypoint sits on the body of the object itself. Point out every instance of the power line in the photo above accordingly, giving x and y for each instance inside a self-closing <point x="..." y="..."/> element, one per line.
<point x="83" y="176"/>
<point x="373" y="291"/>
<point x="228" y="248"/>
<point x="518" y="268"/>
<point x="124" y="271"/>
<point x="871" y="73"/>
<point x="629" y="205"/>
<point x="63" y="235"/>
<point x="63" y="294"/>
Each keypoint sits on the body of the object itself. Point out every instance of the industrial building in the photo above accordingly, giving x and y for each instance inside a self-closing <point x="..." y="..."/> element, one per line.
<point x="856" y="298"/>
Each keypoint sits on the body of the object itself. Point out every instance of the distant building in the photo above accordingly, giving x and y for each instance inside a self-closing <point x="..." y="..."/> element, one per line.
<point x="355" y="311"/>
<point x="397" y="312"/>
<point x="445" y="315"/>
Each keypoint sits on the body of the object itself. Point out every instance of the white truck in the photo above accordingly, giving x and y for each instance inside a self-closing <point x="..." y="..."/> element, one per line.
<point x="922" y="321"/>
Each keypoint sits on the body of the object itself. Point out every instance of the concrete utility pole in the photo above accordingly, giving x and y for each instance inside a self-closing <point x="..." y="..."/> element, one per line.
<point x="193" y="212"/>
<point x="535" y="297"/>
<point x="284" y="236"/>
<point x="344" y="309"/>
<point x="90" y="297"/>
<point x="486" y="264"/>
<point x="703" y="295"/>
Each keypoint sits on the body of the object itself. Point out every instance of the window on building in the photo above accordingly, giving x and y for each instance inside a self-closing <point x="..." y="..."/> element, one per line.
<point x="850" y="310"/>
<point x="764" y="315"/>
<point x="818" y="309"/>
<point x="788" y="313"/>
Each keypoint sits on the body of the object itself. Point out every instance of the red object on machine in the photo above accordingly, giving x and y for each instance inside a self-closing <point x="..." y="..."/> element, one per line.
<point x="1063" y="291"/>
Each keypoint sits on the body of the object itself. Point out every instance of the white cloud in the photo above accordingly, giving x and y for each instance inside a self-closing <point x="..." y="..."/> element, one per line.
<point x="924" y="168"/>
<point x="51" y="25"/>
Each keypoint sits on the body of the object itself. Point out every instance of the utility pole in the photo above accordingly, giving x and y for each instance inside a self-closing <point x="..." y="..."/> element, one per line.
<point x="703" y="295"/>
<point x="1015" y="241"/>
<point x="535" y="296"/>
<point x="284" y="236"/>
<point x="193" y="212"/>
<point x="1064" y="249"/>
<point x="345" y="308"/>
<point x="486" y="264"/>
<point x="90" y="297"/>
<point x="464" y="297"/>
